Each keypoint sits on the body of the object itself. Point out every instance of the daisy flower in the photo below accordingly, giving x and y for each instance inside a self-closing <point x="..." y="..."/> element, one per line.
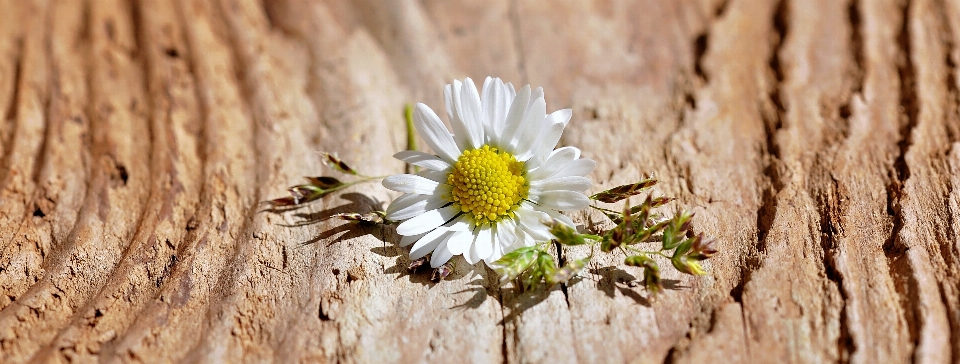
<point x="494" y="182"/>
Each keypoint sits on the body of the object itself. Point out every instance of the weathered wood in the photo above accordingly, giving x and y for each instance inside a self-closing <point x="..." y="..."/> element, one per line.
<point x="817" y="141"/>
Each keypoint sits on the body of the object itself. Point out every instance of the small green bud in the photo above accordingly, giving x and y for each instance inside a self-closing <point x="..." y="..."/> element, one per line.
<point x="621" y="192"/>
<point x="640" y="261"/>
<point x="336" y="163"/>
<point x="324" y="182"/>
<point x="516" y="262"/>
<point x="568" y="271"/>
<point x="607" y="243"/>
<point x="687" y="266"/>
<point x="676" y="229"/>
<point x="683" y="248"/>
<point x="565" y="234"/>
<point x="702" y="248"/>
<point x="300" y="194"/>
<point x="542" y="269"/>
<point x="651" y="280"/>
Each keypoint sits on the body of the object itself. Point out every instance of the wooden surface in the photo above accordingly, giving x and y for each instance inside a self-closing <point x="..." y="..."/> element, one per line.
<point x="816" y="140"/>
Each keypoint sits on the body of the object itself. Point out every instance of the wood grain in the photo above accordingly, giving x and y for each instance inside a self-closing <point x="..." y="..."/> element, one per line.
<point x="817" y="141"/>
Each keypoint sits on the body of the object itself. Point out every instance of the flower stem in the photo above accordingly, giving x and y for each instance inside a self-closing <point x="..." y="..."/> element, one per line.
<point x="647" y="252"/>
<point x="365" y="179"/>
<point x="606" y="210"/>
<point x="411" y="134"/>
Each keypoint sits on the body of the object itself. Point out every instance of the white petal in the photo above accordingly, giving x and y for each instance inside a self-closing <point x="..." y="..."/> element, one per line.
<point x="495" y="255"/>
<point x="563" y="200"/>
<point x="575" y="150"/>
<point x="471" y="113"/>
<point x="579" y="167"/>
<point x="469" y="255"/>
<point x="408" y="183"/>
<point x="436" y="135"/>
<point x="427" y="221"/>
<point x="507" y="94"/>
<point x="428" y="243"/>
<point x="536" y="94"/>
<point x="556" y="215"/>
<point x="569" y="183"/>
<point x="440" y="255"/>
<point x="411" y="204"/>
<point x="486" y="98"/>
<point x="462" y="223"/>
<point x="533" y="121"/>
<point x="453" y="109"/>
<point x="518" y="109"/>
<point x="561" y="116"/>
<point x="532" y="223"/>
<point x="506" y="235"/>
<point x="483" y="246"/>
<point x="437" y="176"/>
<point x="537" y="233"/>
<point x="550" y="134"/>
<point x="421" y="159"/>
<point x="524" y="239"/>
<point x="407" y="240"/>
<point x="554" y="163"/>
<point x="496" y="104"/>
<point x="460" y="242"/>
<point x="451" y="99"/>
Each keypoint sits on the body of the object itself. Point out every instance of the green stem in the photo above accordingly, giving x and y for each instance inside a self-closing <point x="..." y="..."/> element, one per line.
<point x="647" y="252"/>
<point x="595" y="238"/>
<point x="365" y="179"/>
<point x="606" y="210"/>
<point x="411" y="134"/>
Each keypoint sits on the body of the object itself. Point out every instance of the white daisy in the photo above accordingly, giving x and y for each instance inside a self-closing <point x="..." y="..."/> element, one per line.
<point x="492" y="183"/>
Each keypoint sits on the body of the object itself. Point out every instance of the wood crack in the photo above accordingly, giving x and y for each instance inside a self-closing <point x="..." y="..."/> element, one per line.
<point x="11" y="114"/>
<point x="830" y="201"/>
<point x="894" y="248"/>
<point x="562" y="261"/>
<point x="949" y="249"/>
<point x="772" y="122"/>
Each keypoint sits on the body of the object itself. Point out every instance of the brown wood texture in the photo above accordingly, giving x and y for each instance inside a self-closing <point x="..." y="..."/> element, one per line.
<point x="818" y="141"/>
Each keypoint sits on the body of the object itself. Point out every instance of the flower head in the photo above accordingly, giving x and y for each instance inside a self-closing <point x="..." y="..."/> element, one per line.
<point x="495" y="182"/>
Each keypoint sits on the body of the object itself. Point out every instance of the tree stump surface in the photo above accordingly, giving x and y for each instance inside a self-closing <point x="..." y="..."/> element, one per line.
<point x="817" y="141"/>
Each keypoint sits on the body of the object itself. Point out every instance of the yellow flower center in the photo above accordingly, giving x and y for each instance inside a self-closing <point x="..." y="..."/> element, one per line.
<point x="487" y="184"/>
